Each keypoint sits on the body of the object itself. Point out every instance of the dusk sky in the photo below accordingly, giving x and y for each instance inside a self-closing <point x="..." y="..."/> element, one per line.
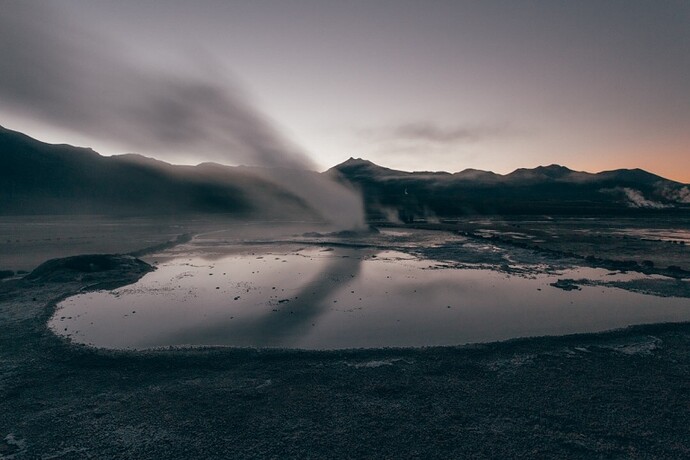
<point x="437" y="85"/>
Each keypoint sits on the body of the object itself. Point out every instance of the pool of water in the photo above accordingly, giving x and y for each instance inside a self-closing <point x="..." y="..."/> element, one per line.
<point x="325" y="297"/>
<point x="658" y="234"/>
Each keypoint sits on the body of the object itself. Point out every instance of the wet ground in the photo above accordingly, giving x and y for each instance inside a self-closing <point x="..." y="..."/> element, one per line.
<point x="652" y="243"/>
<point x="372" y="290"/>
<point x="28" y="241"/>
<point x="608" y="395"/>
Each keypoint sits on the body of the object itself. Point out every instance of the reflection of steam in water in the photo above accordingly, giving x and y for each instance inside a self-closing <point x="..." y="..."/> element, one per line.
<point x="286" y="327"/>
<point x="393" y="299"/>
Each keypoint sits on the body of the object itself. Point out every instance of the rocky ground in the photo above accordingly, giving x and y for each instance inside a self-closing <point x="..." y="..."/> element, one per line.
<point x="618" y="394"/>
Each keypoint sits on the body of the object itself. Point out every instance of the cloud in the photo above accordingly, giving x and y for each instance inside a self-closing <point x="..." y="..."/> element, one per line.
<point x="431" y="133"/>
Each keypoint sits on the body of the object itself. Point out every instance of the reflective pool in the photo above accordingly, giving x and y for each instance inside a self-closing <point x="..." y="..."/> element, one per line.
<point x="325" y="297"/>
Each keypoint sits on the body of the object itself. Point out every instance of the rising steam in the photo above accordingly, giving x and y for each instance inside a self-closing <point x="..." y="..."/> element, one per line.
<point x="68" y="75"/>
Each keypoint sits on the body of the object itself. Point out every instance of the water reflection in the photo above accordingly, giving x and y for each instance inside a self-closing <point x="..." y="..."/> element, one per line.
<point x="319" y="297"/>
<point x="281" y="327"/>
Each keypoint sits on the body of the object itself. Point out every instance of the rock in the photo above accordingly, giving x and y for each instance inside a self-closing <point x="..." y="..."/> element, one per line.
<point x="92" y="266"/>
<point x="566" y="285"/>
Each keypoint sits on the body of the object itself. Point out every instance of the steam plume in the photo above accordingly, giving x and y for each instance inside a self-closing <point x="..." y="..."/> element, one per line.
<point x="67" y="75"/>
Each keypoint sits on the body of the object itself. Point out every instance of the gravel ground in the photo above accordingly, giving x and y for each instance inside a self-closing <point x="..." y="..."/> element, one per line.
<point x="618" y="394"/>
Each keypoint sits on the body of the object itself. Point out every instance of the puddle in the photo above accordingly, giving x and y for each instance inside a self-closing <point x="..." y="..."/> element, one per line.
<point x="313" y="298"/>
<point x="667" y="235"/>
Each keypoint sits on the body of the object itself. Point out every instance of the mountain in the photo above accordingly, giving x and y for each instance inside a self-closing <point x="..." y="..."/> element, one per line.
<point x="40" y="178"/>
<point x="553" y="190"/>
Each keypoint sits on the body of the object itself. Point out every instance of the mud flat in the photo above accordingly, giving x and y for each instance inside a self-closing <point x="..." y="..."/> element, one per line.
<point x="624" y="393"/>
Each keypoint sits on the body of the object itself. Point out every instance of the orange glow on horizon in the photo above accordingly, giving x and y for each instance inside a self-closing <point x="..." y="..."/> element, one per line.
<point x="669" y="162"/>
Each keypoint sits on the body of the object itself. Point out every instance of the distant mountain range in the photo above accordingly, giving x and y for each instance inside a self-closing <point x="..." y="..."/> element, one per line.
<point x="551" y="190"/>
<point x="40" y="178"/>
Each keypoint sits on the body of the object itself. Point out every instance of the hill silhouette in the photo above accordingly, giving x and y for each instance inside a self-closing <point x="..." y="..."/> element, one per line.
<point x="41" y="178"/>
<point x="551" y="190"/>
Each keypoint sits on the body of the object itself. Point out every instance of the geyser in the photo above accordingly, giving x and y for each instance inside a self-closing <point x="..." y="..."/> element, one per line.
<point x="68" y="75"/>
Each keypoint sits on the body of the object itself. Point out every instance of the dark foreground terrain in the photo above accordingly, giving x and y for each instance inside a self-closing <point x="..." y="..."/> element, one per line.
<point x="619" y="394"/>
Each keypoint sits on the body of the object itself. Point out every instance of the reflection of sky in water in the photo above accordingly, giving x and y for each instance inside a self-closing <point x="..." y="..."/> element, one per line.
<point x="343" y="298"/>
<point x="657" y="234"/>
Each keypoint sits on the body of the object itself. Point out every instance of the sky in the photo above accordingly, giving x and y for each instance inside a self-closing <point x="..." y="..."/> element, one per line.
<point x="433" y="85"/>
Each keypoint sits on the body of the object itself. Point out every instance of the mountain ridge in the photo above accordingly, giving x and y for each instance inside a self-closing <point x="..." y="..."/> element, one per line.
<point x="553" y="170"/>
<point x="41" y="178"/>
<point x="551" y="189"/>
